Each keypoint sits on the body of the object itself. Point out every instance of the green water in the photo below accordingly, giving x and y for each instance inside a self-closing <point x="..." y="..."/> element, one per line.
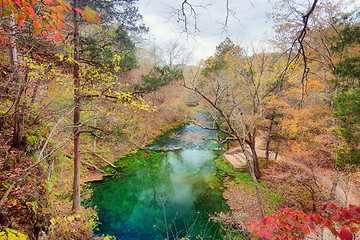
<point x="167" y="194"/>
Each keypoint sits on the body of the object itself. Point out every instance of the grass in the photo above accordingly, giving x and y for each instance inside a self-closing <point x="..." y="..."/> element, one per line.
<point x="244" y="181"/>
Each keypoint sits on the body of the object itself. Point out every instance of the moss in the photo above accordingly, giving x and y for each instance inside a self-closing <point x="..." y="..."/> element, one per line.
<point x="244" y="181"/>
<point x="141" y="159"/>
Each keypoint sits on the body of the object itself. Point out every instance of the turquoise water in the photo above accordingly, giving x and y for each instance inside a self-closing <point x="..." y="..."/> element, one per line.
<point x="167" y="194"/>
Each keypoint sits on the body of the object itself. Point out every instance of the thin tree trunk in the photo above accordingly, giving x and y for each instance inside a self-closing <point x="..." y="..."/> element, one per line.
<point x="12" y="41"/>
<point x="18" y="115"/>
<point x="256" y="183"/>
<point x="268" y="140"/>
<point x="255" y="159"/>
<point x="250" y="165"/>
<point x="77" y="110"/>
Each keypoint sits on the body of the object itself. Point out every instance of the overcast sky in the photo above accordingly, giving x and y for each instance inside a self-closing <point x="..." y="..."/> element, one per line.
<point x="249" y="25"/>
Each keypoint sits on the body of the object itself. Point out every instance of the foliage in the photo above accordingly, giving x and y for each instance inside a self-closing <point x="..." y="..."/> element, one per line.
<point x="217" y="63"/>
<point x="11" y="234"/>
<point x="51" y="15"/>
<point x="348" y="108"/>
<point x="230" y="227"/>
<point x="125" y="14"/>
<point x="114" y="36"/>
<point x="346" y="103"/>
<point x="292" y="224"/>
<point x="98" y="47"/>
<point x="45" y="16"/>
<point x="158" y="77"/>
<point x="142" y="159"/>
<point x="78" y="226"/>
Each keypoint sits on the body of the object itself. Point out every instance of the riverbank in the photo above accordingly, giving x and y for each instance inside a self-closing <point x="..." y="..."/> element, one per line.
<point x="286" y="184"/>
<point x="44" y="203"/>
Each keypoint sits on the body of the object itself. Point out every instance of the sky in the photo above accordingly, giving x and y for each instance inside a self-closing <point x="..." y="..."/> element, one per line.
<point x="247" y="24"/>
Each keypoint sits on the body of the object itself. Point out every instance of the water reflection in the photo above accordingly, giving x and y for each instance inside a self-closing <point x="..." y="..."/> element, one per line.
<point x="162" y="194"/>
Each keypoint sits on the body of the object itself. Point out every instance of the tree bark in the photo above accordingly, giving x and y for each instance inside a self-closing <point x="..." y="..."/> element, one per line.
<point x="77" y="110"/>
<point x="256" y="183"/>
<point x="268" y="140"/>
<point x="255" y="160"/>
<point x="18" y="115"/>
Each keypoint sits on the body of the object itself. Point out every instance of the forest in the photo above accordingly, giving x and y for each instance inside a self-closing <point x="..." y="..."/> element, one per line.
<point x="82" y="99"/>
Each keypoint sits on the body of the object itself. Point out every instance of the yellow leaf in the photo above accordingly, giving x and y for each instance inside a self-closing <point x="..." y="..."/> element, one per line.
<point x="53" y="221"/>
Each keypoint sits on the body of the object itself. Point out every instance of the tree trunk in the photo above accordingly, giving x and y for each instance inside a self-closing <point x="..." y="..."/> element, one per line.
<point x="250" y="165"/>
<point x="18" y="126"/>
<point x="268" y="140"/>
<point x="77" y="110"/>
<point x="18" y="115"/>
<point x="255" y="159"/>
<point x="256" y="183"/>
<point x="255" y="162"/>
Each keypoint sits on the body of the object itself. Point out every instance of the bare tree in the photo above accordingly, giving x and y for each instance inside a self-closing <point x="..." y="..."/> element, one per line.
<point x="237" y="95"/>
<point x="176" y="53"/>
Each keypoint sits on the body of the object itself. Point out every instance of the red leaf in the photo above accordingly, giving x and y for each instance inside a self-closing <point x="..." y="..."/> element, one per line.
<point x="335" y="216"/>
<point x="346" y="213"/>
<point x="20" y="18"/>
<point x="357" y="209"/>
<point x="45" y="35"/>
<point x="79" y="10"/>
<point x="18" y="3"/>
<point x="265" y="234"/>
<point x="305" y="229"/>
<point x="345" y="234"/>
<point x="31" y="10"/>
<point x="58" y="36"/>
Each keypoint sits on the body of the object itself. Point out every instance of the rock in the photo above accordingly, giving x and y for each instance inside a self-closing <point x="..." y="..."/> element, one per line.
<point x="237" y="160"/>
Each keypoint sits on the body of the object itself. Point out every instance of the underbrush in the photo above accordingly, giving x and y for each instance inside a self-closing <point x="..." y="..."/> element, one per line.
<point x="240" y="191"/>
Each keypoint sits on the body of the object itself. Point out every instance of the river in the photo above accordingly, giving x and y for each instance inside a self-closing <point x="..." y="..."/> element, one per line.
<point x="165" y="192"/>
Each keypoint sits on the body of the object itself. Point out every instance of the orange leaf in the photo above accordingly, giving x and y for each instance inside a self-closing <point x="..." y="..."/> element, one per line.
<point x="61" y="17"/>
<point x="18" y="3"/>
<point x="19" y="18"/>
<point x="37" y="24"/>
<point x="37" y="32"/>
<point x="65" y="5"/>
<point x="48" y="28"/>
<point x="3" y="3"/>
<point x="59" y="9"/>
<point x="31" y="10"/>
<point x="79" y="10"/>
<point x="91" y="15"/>
<point x="45" y="35"/>
<point x="49" y="2"/>
<point x="59" y="25"/>
<point x="51" y="26"/>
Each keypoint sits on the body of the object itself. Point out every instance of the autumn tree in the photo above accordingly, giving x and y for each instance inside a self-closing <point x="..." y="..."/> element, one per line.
<point x="50" y="18"/>
<point x="39" y="18"/>
<point x="348" y="99"/>
<point x="236" y="88"/>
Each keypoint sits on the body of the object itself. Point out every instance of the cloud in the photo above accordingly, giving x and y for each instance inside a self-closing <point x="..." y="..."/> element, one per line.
<point x="248" y="24"/>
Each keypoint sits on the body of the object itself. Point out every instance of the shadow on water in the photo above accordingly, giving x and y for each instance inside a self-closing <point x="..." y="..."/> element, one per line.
<point x="163" y="194"/>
